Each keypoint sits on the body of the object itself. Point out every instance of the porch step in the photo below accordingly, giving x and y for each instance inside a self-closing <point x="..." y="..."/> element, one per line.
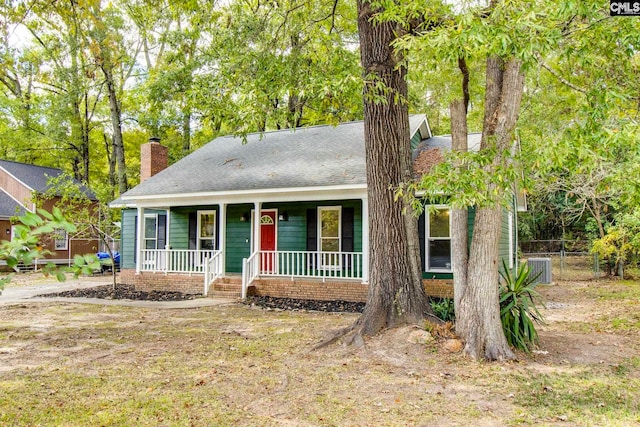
<point x="226" y="287"/>
<point x="225" y="294"/>
<point x="235" y="280"/>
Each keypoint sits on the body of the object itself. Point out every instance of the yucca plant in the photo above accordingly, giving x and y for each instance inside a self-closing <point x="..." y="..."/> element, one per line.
<point x="518" y="311"/>
<point x="443" y="308"/>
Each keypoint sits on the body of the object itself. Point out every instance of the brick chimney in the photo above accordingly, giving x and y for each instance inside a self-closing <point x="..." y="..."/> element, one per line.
<point x="153" y="158"/>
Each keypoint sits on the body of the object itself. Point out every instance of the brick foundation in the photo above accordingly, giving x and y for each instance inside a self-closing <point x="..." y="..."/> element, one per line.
<point x="349" y="290"/>
<point x="163" y="282"/>
<point x="439" y="288"/>
<point x="310" y="289"/>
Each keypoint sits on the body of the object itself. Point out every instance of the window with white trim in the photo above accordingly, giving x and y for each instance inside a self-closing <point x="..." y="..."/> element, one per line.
<point x="61" y="239"/>
<point x="438" y="239"/>
<point x="150" y="231"/>
<point x="206" y="230"/>
<point x="329" y="235"/>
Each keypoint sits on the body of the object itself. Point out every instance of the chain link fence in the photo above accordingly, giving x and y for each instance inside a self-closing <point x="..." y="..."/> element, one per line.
<point x="570" y="259"/>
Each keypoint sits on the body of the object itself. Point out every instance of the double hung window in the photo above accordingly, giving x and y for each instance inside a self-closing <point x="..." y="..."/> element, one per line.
<point x="329" y="236"/>
<point x="61" y="239"/>
<point x="438" y="239"/>
<point x="150" y="231"/>
<point x="206" y="230"/>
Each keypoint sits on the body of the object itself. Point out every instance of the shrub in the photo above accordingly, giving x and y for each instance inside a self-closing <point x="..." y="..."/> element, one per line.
<point x="518" y="311"/>
<point x="443" y="308"/>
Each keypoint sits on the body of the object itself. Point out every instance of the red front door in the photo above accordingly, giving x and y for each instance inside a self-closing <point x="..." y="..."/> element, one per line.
<point x="267" y="240"/>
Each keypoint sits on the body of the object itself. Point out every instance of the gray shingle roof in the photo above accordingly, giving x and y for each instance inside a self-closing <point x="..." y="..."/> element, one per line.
<point x="443" y="142"/>
<point x="9" y="206"/>
<point x="36" y="177"/>
<point x="315" y="156"/>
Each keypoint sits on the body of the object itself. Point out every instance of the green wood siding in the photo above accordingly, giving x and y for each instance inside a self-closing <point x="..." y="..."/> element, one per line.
<point x="291" y="233"/>
<point x="506" y="249"/>
<point x="179" y="224"/>
<point x="437" y="275"/>
<point x="238" y="237"/>
<point x="415" y="141"/>
<point x="503" y="244"/>
<point x="179" y="229"/>
<point x="503" y="248"/>
<point x="127" y="238"/>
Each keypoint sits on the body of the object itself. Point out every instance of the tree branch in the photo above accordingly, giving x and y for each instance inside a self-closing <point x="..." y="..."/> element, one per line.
<point x="462" y="65"/>
<point x="559" y="77"/>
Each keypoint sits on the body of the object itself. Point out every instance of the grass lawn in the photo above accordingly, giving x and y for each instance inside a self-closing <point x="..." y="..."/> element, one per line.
<point x="64" y="364"/>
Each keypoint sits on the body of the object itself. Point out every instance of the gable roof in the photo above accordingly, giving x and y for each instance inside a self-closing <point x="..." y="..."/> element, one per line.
<point x="9" y="206"/>
<point x="304" y="158"/>
<point x="37" y="177"/>
<point x="431" y="151"/>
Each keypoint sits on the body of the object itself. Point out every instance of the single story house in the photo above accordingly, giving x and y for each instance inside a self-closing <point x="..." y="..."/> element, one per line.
<point x="19" y="182"/>
<point x="284" y="213"/>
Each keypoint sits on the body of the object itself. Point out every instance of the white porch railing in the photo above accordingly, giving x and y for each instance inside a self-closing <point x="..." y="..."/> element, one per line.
<point x="212" y="270"/>
<point x="294" y="264"/>
<point x="175" y="260"/>
<point x="344" y="265"/>
<point x="301" y="264"/>
<point x="250" y="270"/>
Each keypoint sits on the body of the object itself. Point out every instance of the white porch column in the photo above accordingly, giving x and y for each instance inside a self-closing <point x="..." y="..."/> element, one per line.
<point x="139" y="238"/>
<point x="222" y="233"/>
<point x="365" y="240"/>
<point x="167" y="246"/>
<point x="257" y="208"/>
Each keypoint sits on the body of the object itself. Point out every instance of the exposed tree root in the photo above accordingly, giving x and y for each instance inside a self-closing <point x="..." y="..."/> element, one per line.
<point x="339" y="334"/>
<point x="354" y="334"/>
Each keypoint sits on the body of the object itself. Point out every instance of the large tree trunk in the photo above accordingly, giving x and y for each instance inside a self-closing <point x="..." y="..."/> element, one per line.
<point x="459" y="217"/>
<point x="479" y="322"/>
<point x="396" y="294"/>
<point x="118" y="142"/>
<point x="103" y="56"/>
<point x="79" y="121"/>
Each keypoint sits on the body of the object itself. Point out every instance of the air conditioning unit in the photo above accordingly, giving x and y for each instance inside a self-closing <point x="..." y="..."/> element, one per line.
<point x="541" y="266"/>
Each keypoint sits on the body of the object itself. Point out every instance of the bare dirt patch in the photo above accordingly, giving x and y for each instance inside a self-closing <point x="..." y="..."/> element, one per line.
<point x="77" y="364"/>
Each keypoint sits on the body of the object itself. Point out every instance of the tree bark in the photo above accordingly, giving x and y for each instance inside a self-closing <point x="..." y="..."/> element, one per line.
<point x="186" y="131"/>
<point x="479" y="321"/>
<point x="396" y="294"/>
<point x="79" y="110"/>
<point x="459" y="217"/>
<point x="111" y="160"/>
<point x="103" y="54"/>
<point x="118" y="142"/>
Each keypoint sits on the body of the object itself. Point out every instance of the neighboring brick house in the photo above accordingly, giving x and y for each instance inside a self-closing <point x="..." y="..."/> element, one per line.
<point x="282" y="213"/>
<point x="18" y="183"/>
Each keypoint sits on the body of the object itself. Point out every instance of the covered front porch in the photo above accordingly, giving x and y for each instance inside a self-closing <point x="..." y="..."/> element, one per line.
<point x="323" y="241"/>
<point x="293" y="265"/>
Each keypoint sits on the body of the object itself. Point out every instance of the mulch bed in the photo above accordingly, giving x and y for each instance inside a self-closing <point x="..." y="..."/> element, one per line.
<point x="123" y="291"/>
<point x="309" y="305"/>
<point x="128" y="292"/>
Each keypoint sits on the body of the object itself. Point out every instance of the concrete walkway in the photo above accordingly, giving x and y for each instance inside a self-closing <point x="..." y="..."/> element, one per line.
<point x="27" y="293"/>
